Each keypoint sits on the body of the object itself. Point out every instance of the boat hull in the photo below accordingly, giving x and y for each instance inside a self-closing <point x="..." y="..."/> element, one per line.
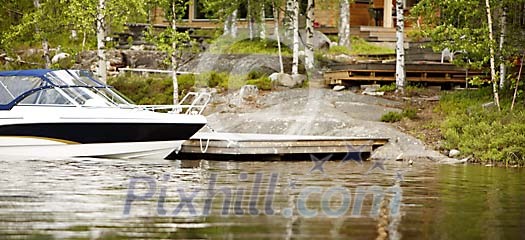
<point x="44" y="148"/>
<point x="61" y="132"/>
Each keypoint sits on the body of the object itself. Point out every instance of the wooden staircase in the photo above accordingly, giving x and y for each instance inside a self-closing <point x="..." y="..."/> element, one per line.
<point x="377" y="34"/>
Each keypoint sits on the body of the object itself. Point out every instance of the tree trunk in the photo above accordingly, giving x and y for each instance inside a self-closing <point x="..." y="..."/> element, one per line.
<point x="250" y="20"/>
<point x="492" y="61"/>
<point x="288" y="19"/>
<point x="234" y="24"/>
<point x="45" y="44"/>
<point x="277" y="35"/>
<point x="517" y="84"/>
<point x="174" y="57"/>
<point x="227" y="26"/>
<point x="101" y="35"/>
<point x="502" y="70"/>
<point x="262" y="24"/>
<point x="295" y="20"/>
<point x="344" y="23"/>
<point x="400" y="48"/>
<point x="309" y="48"/>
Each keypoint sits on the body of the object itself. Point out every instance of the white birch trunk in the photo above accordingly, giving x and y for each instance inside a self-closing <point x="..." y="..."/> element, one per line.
<point x="309" y="48"/>
<point x="344" y="23"/>
<point x="101" y="35"/>
<point x="174" y="57"/>
<point x="400" y="48"/>
<point x="234" y="24"/>
<point x="288" y="19"/>
<point x="84" y="38"/>
<point x="227" y="26"/>
<point x="295" y="20"/>
<point x="278" y="36"/>
<point x="250" y="20"/>
<point x="502" y="70"/>
<point x="492" y="60"/>
<point x="45" y="43"/>
<point x="262" y="24"/>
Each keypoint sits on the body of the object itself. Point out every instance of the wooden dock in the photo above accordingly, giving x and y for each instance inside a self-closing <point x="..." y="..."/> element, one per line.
<point x="385" y="72"/>
<point x="234" y="146"/>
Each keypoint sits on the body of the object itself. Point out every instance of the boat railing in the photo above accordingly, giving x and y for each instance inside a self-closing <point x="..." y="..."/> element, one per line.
<point x="192" y="103"/>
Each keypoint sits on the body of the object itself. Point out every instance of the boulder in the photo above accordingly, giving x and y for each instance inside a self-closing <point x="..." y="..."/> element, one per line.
<point x="286" y="80"/>
<point x="338" y="88"/>
<point x="320" y="40"/>
<point x="454" y="153"/>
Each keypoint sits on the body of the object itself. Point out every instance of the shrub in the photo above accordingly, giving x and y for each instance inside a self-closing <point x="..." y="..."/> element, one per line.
<point x="410" y="113"/>
<point x="486" y="134"/>
<point x="392" y="117"/>
<point x="387" y="88"/>
<point x="262" y="83"/>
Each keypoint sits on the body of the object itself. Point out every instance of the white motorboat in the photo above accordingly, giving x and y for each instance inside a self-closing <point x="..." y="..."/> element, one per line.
<point x="66" y="113"/>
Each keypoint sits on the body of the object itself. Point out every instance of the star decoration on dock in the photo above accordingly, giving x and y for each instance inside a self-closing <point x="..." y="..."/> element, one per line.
<point x="319" y="163"/>
<point x="292" y="184"/>
<point x="377" y="164"/>
<point x="354" y="153"/>
<point x="400" y="176"/>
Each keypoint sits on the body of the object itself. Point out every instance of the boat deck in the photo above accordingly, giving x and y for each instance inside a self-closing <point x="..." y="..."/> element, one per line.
<point x="236" y="146"/>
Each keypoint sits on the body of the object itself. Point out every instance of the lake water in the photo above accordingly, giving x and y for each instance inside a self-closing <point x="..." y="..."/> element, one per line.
<point x="159" y="199"/>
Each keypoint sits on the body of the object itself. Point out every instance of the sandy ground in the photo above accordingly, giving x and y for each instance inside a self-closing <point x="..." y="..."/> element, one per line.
<point x="322" y="112"/>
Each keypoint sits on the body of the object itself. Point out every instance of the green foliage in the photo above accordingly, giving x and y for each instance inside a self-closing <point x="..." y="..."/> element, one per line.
<point x="262" y="83"/>
<point x="409" y="113"/>
<point x="392" y="117"/>
<point x="485" y="133"/>
<point x="247" y="46"/>
<point x="151" y="90"/>
<point x="387" y="88"/>
<point x="461" y="25"/>
<point x="360" y="46"/>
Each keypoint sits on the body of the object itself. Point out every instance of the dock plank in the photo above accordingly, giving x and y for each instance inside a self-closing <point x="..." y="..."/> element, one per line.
<point x="218" y="145"/>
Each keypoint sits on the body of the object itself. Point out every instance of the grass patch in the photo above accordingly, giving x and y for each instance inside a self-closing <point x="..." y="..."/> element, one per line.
<point x="391" y="117"/>
<point x="387" y="88"/>
<point x="490" y="136"/>
<point x="151" y="90"/>
<point x="247" y="46"/>
<point x="159" y="89"/>
<point x="360" y="46"/>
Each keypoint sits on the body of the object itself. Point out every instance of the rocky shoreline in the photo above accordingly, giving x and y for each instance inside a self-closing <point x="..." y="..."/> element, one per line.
<point x="318" y="111"/>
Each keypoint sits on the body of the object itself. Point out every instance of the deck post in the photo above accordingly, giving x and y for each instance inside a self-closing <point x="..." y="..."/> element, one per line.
<point x="387" y="14"/>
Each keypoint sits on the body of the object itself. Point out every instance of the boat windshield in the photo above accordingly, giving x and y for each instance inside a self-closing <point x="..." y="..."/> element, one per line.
<point x="61" y="87"/>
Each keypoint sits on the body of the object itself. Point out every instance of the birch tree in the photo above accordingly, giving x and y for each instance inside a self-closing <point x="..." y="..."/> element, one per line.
<point x="492" y="57"/>
<point x="288" y="21"/>
<point x="309" y="48"/>
<point x="277" y="35"/>
<point x="226" y="11"/>
<point x="400" y="48"/>
<point x="502" y="70"/>
<point x="101" y="36"/>
<point x="170" y="40"/>
<point x="295" y="21"/>
<point x="262" y="21"/>
<point x="45" y="43"/>
<point x="344" y="23"/>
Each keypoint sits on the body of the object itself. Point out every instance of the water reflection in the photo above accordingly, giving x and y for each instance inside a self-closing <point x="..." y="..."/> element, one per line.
<point x="85" y="198"/>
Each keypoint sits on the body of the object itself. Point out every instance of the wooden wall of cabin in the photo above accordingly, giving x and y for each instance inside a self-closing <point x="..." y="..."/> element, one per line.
<point x="326" y="15"/>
